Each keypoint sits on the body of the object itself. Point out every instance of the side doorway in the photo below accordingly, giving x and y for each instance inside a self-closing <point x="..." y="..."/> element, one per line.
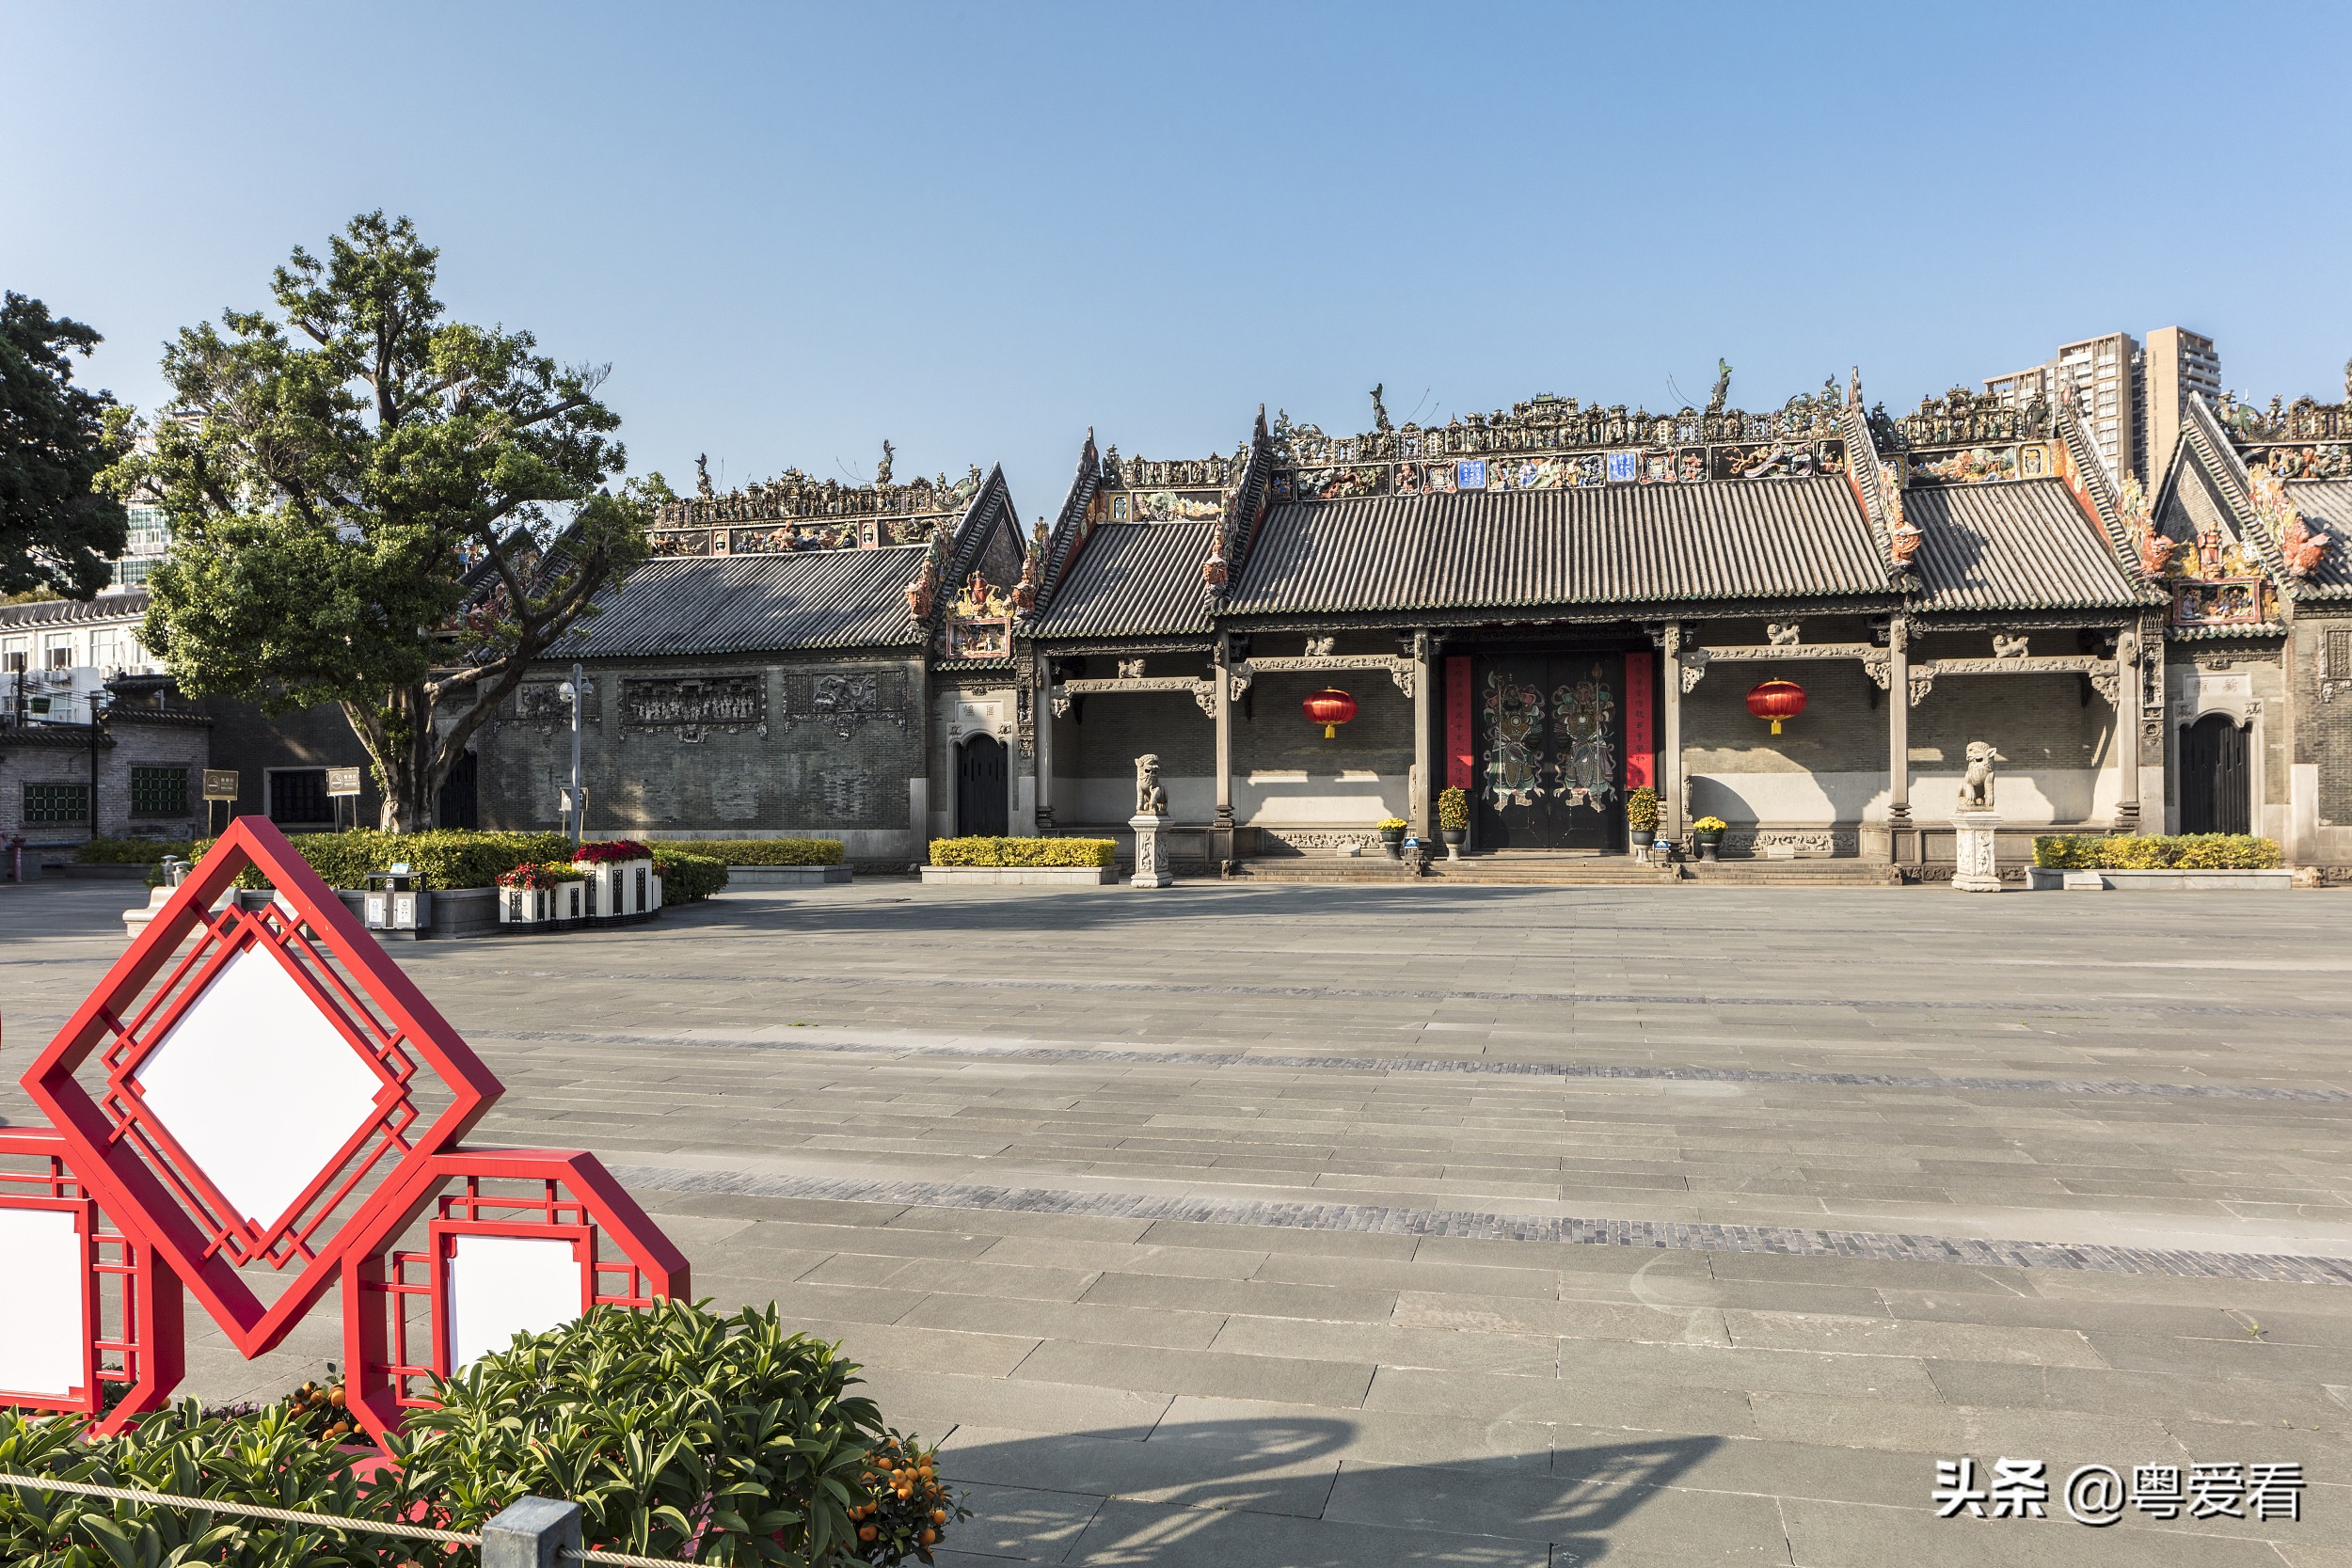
<point x="2216" y="786"/>
<point x="984" y="799"/>
<point x="1550" y="735"/>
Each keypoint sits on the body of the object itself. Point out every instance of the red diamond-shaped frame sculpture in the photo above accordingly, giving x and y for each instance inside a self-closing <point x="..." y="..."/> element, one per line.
<point x="257" y="1091"/>
<point x="121" y="1279"/>
<point x="560" y="1195"/>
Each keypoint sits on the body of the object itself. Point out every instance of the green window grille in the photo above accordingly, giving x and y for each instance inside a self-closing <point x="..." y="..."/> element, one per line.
<point x="56" y="803"/>
<point x="159" y="792"/>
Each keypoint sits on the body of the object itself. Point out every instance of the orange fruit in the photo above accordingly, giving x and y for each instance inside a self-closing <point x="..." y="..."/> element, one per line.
<point x="939" y="1515"/>
<point x="928" y="1537"/>
<point x="866" y="1533"/>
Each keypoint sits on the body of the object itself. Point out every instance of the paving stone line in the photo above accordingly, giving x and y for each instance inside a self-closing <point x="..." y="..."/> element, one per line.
<point x="1445" y="1064"/>
<point x="1566" y="1230"/>
<point x="2154" y="1007"/>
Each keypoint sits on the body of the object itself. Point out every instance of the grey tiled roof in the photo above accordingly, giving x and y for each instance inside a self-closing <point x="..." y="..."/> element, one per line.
<point x="1134" y="580"/>
<point x="1626" y="544"/>
<point x="129" y="605"/>
<point x="2018" y="546"/>
<point x="2326" y="503"/>
<point x="755" y="604"/>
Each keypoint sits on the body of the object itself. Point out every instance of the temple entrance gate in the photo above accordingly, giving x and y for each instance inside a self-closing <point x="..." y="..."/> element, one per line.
<point x="1549" y="730"/>
<point x="982" y="800"/>
<point x="2216" y="794"/>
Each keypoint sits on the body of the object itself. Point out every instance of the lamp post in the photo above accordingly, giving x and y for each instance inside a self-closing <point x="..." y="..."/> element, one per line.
<point x="99" y="702"/>
<point x="578" y="814"/>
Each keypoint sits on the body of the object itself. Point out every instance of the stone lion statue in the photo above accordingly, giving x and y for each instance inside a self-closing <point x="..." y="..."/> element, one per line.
<point x="1151" y="799"/>
<point x="1975" y="786"/>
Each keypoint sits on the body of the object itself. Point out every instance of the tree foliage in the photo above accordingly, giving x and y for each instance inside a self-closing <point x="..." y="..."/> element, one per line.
<point x="377" y="506"/>
<point x="56" y="531"/>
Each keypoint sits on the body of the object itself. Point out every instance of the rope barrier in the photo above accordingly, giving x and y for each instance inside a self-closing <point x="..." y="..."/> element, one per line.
<point x="326" y="1521"/>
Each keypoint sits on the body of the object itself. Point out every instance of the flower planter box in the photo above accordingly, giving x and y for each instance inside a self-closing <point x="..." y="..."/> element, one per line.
<point x="1020" y="876"/>
<point x="2043" y="878"/>
<point x="568" y="910"/>
<point x="621" y="891"/>
<point x="526" y="907"/>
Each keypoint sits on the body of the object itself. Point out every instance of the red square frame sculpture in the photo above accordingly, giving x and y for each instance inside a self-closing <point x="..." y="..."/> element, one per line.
<point x="148" y="1182"/>
<point x="147" y="1356"/>
<point x="576" y="1198"/>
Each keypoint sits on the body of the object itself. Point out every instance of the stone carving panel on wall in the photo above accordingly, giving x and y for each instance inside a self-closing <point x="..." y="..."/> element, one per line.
<point x="695" y="706"/>
<point x="843" y="700"/>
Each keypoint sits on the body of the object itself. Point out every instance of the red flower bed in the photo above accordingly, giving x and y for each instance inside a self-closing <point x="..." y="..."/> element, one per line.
<point x="599" y="852"/>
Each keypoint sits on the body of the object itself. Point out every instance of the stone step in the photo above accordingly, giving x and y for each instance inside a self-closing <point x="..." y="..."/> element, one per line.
<point x="1323" y="869"/>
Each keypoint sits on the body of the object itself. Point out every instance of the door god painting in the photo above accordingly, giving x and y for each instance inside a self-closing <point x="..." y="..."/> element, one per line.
<point x="1514" y="728"/>
<point x="1585" y="714"/>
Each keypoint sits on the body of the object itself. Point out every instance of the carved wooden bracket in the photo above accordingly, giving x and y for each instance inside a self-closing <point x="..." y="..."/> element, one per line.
<point x="1696" y="660"/>
<point x="2104" y="675"/>
<point x="1201" y="692"/>
<point x="1399" y="669"/>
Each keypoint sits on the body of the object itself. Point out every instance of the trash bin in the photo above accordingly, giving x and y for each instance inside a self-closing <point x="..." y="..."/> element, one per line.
<point x="397" y="902"/>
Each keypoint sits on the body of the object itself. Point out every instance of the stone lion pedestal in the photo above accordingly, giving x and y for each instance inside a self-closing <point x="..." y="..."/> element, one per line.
<point x="1974" y="868"/>
<point x="1151" y="852"/>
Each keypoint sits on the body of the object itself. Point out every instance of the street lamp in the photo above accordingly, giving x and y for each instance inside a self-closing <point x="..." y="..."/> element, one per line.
<point x="100" y="701"/>
<point x="576" y="808"/>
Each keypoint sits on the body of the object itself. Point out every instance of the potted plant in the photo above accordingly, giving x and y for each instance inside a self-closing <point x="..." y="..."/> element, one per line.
<point x="1709" y="831"/>
<point x="1641" y="820"/>
<point x="568" y="896"/>
<point x="1454" y="820"/>
<point x="526" y="896"/>
<point x="1391" y="835"/>
<point x="620" y="879"/>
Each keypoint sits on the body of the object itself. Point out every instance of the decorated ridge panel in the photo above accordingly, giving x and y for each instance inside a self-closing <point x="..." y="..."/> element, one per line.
<point x="1566" y="471"/>
<point x="1550" y="424"/>
<point x="785" y="538"/>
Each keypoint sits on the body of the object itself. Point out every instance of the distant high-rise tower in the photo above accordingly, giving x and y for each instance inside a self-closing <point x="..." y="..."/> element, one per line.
<point x="2129" y="397"/>
<point x="2179" y="362"/>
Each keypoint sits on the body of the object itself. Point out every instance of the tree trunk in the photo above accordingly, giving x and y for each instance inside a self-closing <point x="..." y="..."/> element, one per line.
<point x="401" y="742"/>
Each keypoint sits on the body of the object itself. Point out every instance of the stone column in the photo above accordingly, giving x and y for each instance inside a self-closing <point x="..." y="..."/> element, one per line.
<point x="1042" y="722"/>
<point x="1221" y="669"/>
<point x="1670" y="791"/>
<point x="2127" y="730"/>
<point x="1418" y="816"/>
<point x="1898" y="737"/>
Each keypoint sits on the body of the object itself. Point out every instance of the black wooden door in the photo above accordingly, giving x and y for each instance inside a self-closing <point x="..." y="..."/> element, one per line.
<point x="459" y="805"/>
<point x="2216" y="794"/>
<point x="1551" y="738"/>
<point x="981" y="806"/>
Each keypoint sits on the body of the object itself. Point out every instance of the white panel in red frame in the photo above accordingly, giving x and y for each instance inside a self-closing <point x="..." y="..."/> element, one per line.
<point x="116" y="1372"/>
<point x="398" y="1318"/>
<point x="170" y="1144"/>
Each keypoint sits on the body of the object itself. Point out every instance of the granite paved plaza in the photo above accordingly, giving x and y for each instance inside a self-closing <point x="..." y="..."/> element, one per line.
<point x="1351" y="1227"/>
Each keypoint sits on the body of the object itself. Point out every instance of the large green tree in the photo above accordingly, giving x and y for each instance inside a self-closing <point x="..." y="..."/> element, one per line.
<point x="56" y="531"/>
<point x="377" y="506"/>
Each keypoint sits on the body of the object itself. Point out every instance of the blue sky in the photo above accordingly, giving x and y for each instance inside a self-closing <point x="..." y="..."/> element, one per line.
<point x="978" y="230"/>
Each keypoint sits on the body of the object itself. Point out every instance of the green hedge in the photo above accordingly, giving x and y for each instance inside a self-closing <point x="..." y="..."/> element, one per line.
<point x="2128" y="852"/>
<point x="1023" y="851"/>
<point x="446" y="857"/>
<point x="759" y="851"/>
<point x="685" y="878"/>
<point x="131" y="851"/>
<point x="676" y="1430"/>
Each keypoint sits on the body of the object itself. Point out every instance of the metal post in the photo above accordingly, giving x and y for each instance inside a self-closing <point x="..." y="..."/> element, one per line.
<point x="530" y="1532"/>
<point x="579" y="804"/>
<point x="97" y="732"/>
<point x="1221" y="672"/>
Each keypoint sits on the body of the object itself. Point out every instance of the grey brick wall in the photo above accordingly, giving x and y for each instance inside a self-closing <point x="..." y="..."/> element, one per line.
<point x="138" y="745"/>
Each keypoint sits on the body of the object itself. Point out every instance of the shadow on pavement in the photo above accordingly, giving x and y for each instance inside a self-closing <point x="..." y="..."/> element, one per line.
<point x="1286" y="1492"/>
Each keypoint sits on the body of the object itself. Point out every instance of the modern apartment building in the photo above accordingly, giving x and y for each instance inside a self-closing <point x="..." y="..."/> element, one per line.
<point x="2130" y="398"/>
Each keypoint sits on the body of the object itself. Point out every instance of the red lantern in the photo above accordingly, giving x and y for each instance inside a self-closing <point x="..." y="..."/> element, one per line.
<point x="1330" y="707"/>
<point x="1776" y="700"/>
